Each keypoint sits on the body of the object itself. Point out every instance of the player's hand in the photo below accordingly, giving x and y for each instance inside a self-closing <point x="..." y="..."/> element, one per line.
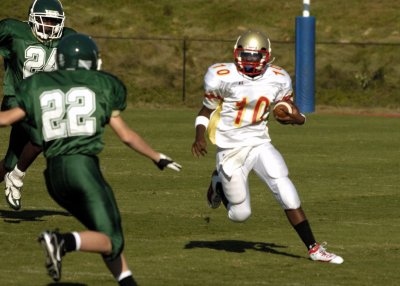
<point x="166" y="161"/>
<point x="199" y="147"/>
<point x="292" y="118"/>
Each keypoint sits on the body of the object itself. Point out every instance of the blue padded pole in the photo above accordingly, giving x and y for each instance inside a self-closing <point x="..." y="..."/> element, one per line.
<point x="305" y="64"/>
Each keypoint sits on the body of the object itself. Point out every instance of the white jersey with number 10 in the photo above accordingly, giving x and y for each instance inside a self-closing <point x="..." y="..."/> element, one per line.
<point x="242" y="104"/>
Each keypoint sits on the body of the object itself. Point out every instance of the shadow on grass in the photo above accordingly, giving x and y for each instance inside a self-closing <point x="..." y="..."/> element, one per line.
<point x="66" y="284"/>
<point x="28" y="215"/>
<point x="240" y="246"/>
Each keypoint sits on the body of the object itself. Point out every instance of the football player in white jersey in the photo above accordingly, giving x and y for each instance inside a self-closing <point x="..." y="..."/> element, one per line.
<point x="235" y="110"/>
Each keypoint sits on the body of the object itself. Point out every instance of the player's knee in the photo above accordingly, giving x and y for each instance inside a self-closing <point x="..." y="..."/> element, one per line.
<point x="286" y="193"/>
<point x="239" y="215"/>
<point x="117" y="246"/>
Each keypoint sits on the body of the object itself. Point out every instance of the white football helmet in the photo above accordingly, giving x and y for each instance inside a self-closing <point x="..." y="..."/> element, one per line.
<point x="46" y="18"/>
<point x="252" y="52"/>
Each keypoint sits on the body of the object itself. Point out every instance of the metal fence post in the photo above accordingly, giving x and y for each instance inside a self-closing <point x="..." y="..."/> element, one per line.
<point x="184" y="70"/>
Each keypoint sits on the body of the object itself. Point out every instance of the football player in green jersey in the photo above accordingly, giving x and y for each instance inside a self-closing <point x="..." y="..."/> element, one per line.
<point x="67" y="111"/>
<point x="26" y="47"/>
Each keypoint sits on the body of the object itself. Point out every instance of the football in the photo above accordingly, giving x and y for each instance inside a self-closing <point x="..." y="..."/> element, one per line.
<point x="281" y="109"/>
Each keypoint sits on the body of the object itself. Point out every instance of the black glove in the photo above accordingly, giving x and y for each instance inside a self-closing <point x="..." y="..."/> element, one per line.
<point x="166" y="161"/>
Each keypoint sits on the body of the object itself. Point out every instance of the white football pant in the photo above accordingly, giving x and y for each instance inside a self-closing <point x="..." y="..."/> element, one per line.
<point x="270" y="167"/>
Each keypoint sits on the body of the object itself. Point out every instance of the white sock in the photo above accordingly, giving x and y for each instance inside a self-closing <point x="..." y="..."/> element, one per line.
<point x="17" y="173"/>
<point x="124" y="275"/>
<point x="77" y="240"/>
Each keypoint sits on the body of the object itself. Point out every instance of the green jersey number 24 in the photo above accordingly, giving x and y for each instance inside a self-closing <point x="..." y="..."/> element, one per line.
<point x="68" y="114"/>
<point x="36" y="61"/>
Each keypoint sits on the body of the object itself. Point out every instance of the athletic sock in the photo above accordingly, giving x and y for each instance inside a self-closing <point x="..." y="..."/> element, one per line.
<point x="303" y="229"/>
<point x="17" y="173"/>
<point x="126" y="279"/>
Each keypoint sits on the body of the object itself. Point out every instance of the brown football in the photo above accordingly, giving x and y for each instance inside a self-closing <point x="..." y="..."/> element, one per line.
<point x="281" y="109"/>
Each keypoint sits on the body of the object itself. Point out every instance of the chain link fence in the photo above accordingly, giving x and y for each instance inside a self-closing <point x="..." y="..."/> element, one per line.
<point x="171" y="70"/>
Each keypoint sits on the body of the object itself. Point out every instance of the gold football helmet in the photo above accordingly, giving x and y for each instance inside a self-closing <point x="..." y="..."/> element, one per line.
<point x="252" y="52"/>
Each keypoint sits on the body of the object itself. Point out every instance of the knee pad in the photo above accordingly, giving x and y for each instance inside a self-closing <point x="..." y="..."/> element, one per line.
<point x="237" y="213"/>
<point x="234" y="189"/>
<point x="235" y="197"/>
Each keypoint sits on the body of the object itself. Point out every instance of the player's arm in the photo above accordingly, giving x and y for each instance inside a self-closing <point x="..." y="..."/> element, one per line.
<point x="137" y="143"/>
<point x="199" y="147"/>
<point x="286" y="95"/>
<point x="11" y="116"/>
<point x="4" y="34"/>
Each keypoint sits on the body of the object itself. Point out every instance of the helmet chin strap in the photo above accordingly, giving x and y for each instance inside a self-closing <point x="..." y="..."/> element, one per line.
<point x="40" y="36"/>
<point x="271" y="61"/>
<point x="44" y="36"/>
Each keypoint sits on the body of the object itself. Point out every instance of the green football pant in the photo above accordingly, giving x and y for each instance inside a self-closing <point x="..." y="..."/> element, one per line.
<point x="76" y="183"/>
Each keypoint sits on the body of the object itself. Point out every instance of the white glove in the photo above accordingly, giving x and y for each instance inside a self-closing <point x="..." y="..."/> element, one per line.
<point x="166" y="161"/>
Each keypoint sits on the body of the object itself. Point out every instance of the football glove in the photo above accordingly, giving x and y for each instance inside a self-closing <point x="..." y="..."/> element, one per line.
<point x="166" y="161"/>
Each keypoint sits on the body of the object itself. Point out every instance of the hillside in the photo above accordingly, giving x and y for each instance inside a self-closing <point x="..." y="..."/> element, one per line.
<point x="142" y="42"/>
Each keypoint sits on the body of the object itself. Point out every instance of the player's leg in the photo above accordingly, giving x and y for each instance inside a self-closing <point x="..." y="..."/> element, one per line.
<point x="272" y="169"/>
<point x="119" y="268"/>
<point x="298" y="220"/>
<point x="76" y="183"/>
<point x="17" y="140"/>
<point x="239" y="210"/>
<point x="14" y="179"/>
<point x="27" y="157"/>
<point x="56" y="245"/>
<point x="236" y="190"/>
<point x="14" y="182"/>
<point x="316" y="251"/>
<point x="19" y="151"/>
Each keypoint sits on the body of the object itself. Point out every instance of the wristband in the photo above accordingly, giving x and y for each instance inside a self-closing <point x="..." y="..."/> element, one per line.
<point x="201" y="120"/>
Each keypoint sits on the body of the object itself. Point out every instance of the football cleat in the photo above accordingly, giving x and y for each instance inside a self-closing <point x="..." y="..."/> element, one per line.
<point x="13" y="191"/>
<point x="53" y="245"/>
<point x="215" y="192"/>
<point x="319" y="253"/>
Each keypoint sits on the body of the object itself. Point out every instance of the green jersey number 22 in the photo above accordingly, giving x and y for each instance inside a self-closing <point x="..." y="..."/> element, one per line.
<point x="68" y="114"/>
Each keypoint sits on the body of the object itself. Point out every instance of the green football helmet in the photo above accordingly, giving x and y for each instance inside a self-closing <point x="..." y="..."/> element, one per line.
<point x="77" y="51"/>
<point x="46" y="18"/>
<point x="252" y="52"/>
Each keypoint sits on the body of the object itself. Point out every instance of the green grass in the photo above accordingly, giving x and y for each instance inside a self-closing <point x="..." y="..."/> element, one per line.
<point x="346" y="169"/>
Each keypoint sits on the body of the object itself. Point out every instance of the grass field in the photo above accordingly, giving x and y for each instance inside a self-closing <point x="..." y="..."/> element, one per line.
<point x="346" y="169"/>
